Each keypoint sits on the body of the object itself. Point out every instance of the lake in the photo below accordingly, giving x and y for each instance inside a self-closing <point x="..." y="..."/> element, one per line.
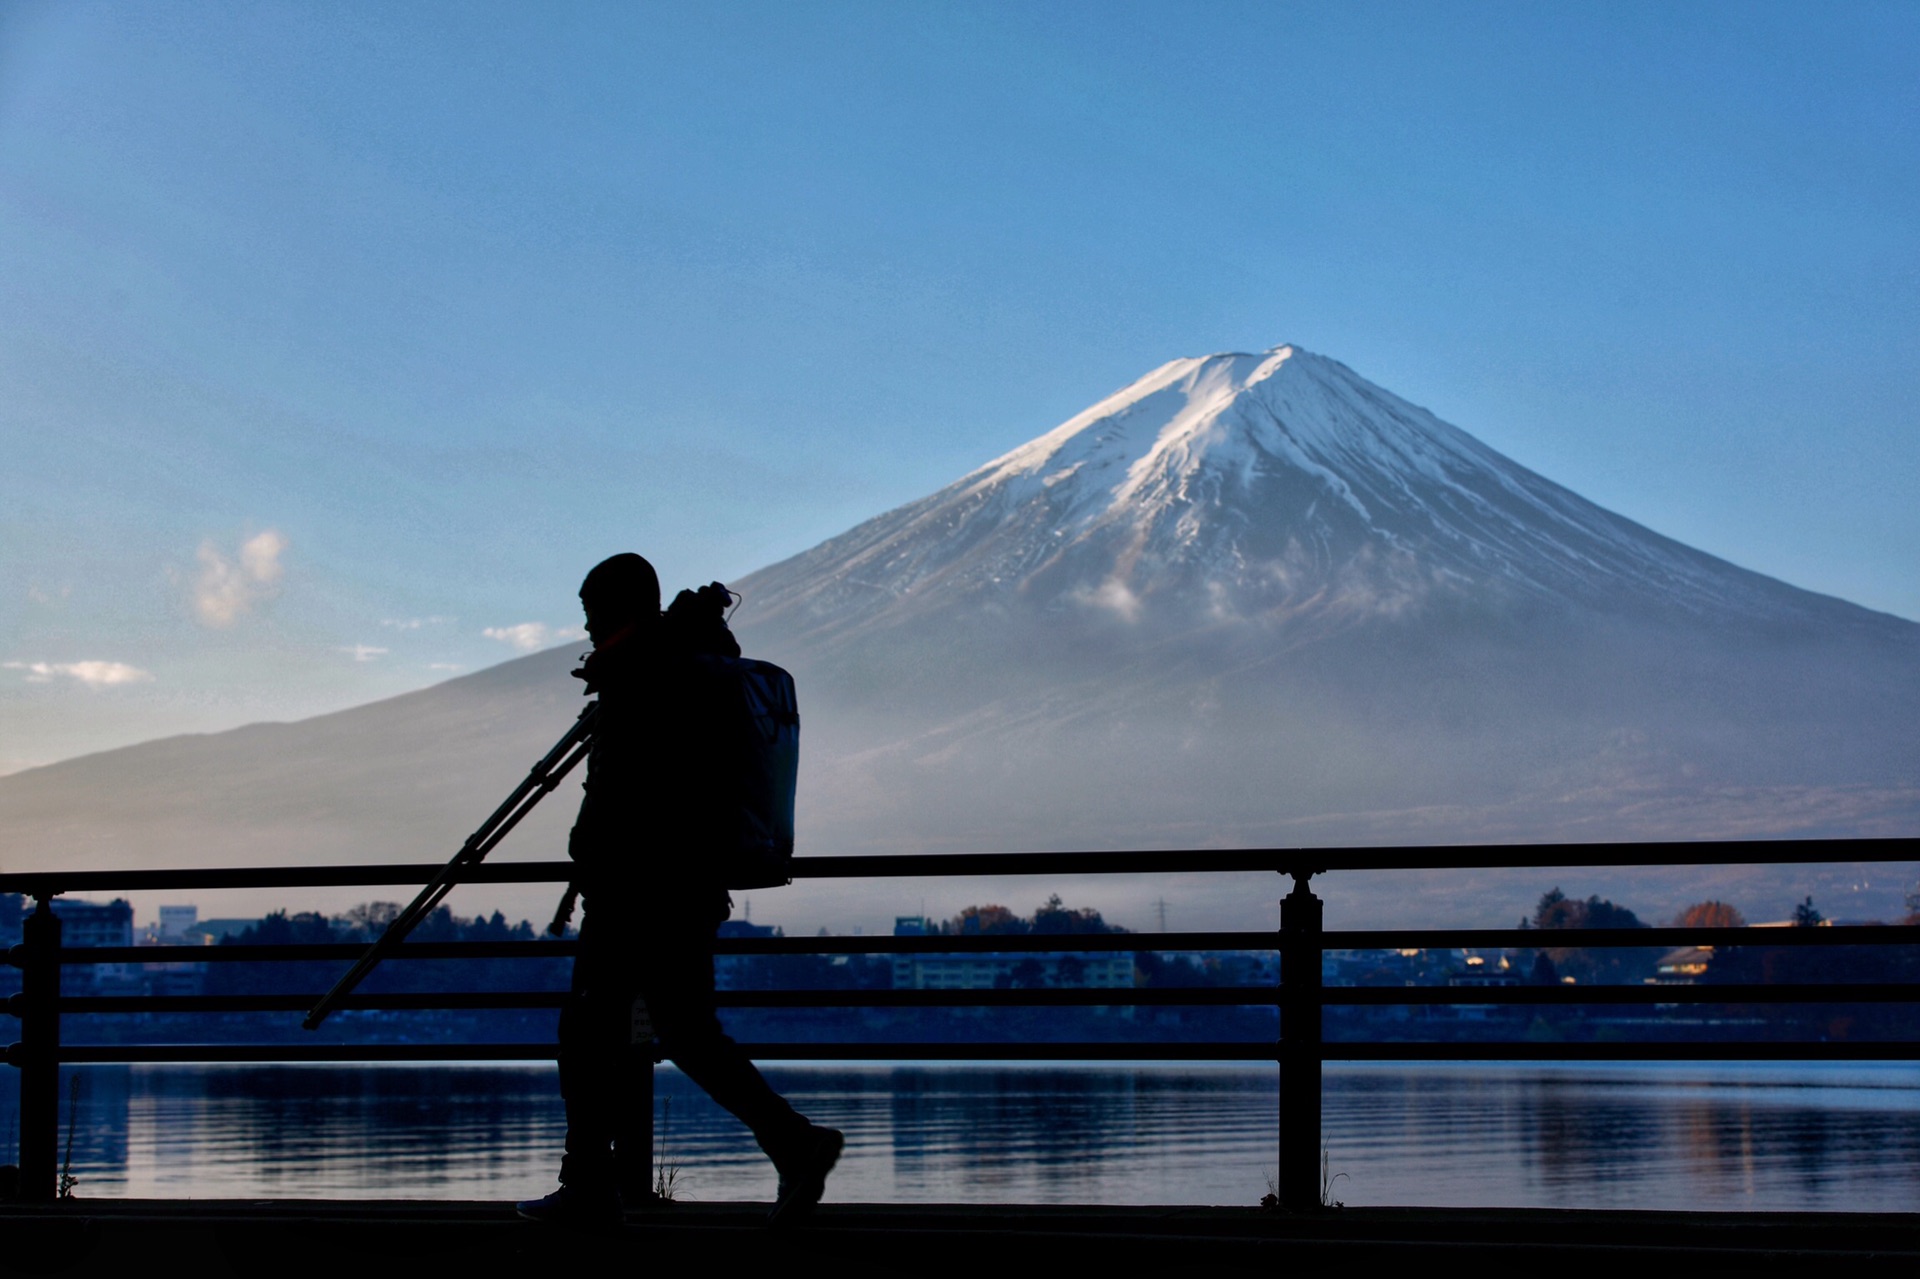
<point x="1708" y="1137"/>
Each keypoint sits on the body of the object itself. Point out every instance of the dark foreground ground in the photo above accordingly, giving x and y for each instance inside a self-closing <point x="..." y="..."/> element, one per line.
<point x="288" y="1240"/>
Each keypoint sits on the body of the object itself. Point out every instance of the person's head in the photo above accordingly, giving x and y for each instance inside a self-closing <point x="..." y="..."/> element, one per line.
<point x="618" y="592"/>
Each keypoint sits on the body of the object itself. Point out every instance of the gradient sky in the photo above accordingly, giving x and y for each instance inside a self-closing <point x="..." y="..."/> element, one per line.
<point x="335" y="337"/>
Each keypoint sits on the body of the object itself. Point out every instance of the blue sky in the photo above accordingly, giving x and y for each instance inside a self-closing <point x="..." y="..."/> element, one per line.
<point x="334" y="337"/>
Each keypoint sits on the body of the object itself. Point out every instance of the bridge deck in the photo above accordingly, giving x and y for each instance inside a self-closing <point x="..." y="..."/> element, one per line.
<point x="438" y="1240"/>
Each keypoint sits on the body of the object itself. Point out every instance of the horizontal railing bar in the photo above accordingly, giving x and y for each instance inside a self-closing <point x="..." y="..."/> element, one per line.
<point x="1324" y="860"/>
<point x="297" y="1053"/>
<point x="309" y="951"/>
<point x="1061" y="997"/>
<point x="1056" y="997"/>
<point x="174" y="1054"/>
<point x="371" y="875"/>
<point x="1842" y="1050"/>
<point x="1069" y="997"/>
<point x="409" y="1001"/>
<point x="915" y="866"/>
<point x="997" y="943"/>
<point x="1786" y="993"/>
<point x="1092" y="943"/>
<point x="938" y="945"/>
<point x="1584" y="938"/>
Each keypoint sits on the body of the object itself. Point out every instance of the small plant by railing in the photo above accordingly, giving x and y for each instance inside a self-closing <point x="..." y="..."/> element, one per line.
<point x="1304" y="1182"/>
<point x="1328" y="1178"/>
<point x="666" y="1175"/>
<point x="67" y="1180"/>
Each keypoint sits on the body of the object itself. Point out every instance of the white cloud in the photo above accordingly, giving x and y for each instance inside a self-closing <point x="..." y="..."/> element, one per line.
<point x="364" y="652"/>
<point x="1115" y="596"/>
<point x="227" y="590"/>
<point x="413" y="623"/>
<point x="91" y="674"/>
<point x="445" y="666"/>
<point x="525" y="636"/>
<point x="260" y="556"/>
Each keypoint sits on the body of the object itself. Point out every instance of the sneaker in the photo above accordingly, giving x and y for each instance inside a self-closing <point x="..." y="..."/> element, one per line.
<point x="574" y="1208"/>
<point x="803" y="1174"/>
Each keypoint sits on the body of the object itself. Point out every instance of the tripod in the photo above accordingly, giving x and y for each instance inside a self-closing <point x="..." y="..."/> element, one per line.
<point x="545" y="775"/>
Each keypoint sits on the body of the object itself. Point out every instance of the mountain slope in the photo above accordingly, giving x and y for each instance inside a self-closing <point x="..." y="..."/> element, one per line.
<point x="1250" y="599"/>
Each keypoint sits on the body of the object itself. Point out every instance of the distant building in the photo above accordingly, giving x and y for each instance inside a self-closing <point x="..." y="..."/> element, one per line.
<point x="13" y="910"/>
<point x="85" y="924"/>
<point x="12" y="913"/>
<point x="177" y="926"/>
<point x="1682" y="967"/>
<point x="732" y="972"/>
<point x="999" y="970"/>
<point x="175" y="921"/>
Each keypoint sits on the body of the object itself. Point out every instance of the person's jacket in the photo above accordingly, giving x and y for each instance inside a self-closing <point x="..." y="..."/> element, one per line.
<point x="653" y="778"/>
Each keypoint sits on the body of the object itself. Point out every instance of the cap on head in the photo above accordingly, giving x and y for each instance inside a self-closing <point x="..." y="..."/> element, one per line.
<point x="622" y="588"/>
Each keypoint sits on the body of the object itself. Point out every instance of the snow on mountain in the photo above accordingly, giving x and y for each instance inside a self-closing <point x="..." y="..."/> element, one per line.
<point x="1267" y="488"/>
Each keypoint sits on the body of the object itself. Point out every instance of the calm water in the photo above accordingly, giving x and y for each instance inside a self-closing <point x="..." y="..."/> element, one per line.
<point x="1706" y="1137"/>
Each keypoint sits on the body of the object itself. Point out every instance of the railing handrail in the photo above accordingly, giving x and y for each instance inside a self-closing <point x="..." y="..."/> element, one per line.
<point x="1051" y="943"/>
<point x="960" y="865"/>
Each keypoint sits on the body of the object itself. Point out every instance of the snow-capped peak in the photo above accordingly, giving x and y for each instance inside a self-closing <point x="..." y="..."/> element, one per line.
<point x="1260" y="486"/>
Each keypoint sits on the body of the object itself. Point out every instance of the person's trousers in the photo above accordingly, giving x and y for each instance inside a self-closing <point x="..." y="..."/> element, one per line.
<point x="662" y="952"/>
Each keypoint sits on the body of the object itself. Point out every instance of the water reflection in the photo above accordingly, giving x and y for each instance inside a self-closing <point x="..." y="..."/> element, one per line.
<point x="1703" y="1137"/>
<point x="1790" y="1136"/>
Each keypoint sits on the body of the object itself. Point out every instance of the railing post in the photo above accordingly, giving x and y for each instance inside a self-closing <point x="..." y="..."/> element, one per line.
<point x="633" y="1143"/>
<point x="37" y="1053"/>
<point x="1301" y="915"/>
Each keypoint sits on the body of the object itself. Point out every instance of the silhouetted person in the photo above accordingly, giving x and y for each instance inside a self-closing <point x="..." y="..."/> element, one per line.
<point x="645" y="864"/>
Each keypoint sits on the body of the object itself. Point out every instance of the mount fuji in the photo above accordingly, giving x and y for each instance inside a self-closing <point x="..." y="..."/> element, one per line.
<point x="1254" y="597"/>
<point x="1250" y="599"/>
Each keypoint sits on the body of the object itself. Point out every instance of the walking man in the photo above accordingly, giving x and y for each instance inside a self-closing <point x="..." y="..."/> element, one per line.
<point x="647" y="866"/>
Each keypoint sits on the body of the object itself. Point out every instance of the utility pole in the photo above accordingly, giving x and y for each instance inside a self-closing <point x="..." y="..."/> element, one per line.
<point x="1160" y="910"/>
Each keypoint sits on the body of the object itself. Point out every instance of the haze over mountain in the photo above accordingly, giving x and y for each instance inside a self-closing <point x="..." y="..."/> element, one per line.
<point x="1250" y="599"/>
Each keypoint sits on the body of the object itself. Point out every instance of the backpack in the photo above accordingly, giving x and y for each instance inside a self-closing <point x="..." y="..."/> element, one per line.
<point x="757" y="734"/>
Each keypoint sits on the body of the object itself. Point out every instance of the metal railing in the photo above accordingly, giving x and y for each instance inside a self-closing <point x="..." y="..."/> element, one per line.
<point x="1300" y="996"/>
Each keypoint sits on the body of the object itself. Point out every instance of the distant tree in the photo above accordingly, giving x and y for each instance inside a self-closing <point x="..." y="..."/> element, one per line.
<point x="1164" y="972"/>
<point x="1601" y="913"/>
<point x="1805" y="916"/>
<point x="1070" y="971"/>
<point x="1590" y="965"/>
<point x="370" y="919"/>
<point x="1051" y="918"/>
<point x="281" y="929"/>
<point x="1710" y="914"/>
<point x="438" y="926"/>
<point x="1054" y="919"/>
<point x="494" y="929"/>
<point x="1557" y="910"/>
<point x="1029" y="974"/>
<point x="986" y="920"/>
